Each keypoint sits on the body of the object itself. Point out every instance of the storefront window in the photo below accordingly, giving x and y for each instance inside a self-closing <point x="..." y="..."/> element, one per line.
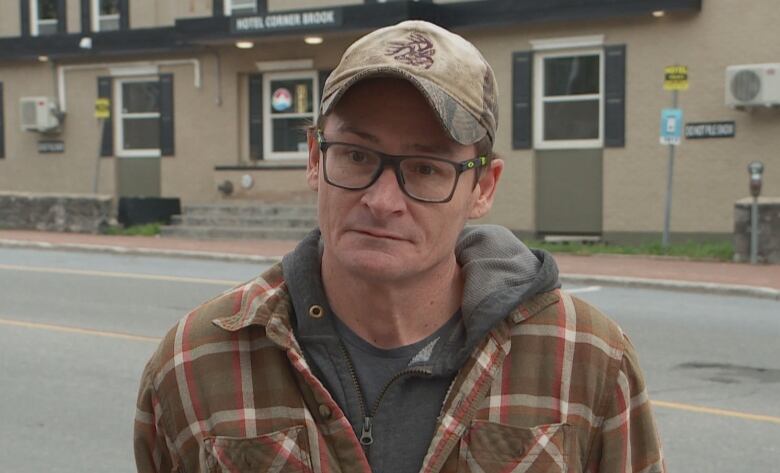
<point x="105" y="15"/>
<point x="138" y="125"/>
<point x="569" y="97"/>
<point x="240" y="7"/>
<point x="44" y="17"/>
<point x="291" y="100"/>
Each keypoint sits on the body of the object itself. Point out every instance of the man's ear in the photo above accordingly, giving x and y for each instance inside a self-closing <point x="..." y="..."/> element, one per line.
<point x="313" y="166"/>
<point x="486" y="189"/>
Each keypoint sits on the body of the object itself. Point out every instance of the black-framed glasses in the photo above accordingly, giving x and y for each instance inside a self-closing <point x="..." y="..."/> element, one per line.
<point x="422" y="178"/>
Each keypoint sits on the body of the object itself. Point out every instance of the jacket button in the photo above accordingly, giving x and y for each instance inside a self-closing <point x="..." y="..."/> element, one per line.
<point x="324" y="411"/>
<point x="316" y="311"/>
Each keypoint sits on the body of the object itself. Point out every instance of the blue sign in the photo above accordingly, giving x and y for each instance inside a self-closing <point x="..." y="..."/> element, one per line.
<point x="671" y="126"/>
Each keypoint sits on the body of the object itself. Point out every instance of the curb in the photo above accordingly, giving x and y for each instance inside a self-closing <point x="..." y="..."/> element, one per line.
<point x="123" y="250"/>
<point x="675" y="285"/>
<point x="616" y="281"/>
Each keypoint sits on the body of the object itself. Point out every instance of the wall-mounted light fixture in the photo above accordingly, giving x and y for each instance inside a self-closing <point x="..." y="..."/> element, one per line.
<point x="245" y="44"/>
<point x="313" y="40"/>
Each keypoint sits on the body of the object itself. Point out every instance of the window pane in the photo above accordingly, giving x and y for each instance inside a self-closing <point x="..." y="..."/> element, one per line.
<point x="109" y="7"/>
<point x="139" y="97"/>
<point x="571" y="120"/>
<point x="109" y="24"/>
<point x="47" y="27"/>
<point x="243" y="6"/>
<point x="141" y="133"/>
<point x="292" y="96"/>
<point x="571" y="75"/>
<point x="289" y="134"/>
<point x="47" y="9"/>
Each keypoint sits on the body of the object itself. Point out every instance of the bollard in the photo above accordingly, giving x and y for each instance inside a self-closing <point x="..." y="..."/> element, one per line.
<point x="756" y="171"/>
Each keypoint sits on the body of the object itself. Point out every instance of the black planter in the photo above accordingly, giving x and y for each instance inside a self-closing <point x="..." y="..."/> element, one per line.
<point x="141" y="210"/>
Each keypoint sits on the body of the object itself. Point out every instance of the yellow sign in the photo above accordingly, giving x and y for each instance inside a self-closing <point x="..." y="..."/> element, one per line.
<point x="102" y="108"/>
<point x="676" y="78"/>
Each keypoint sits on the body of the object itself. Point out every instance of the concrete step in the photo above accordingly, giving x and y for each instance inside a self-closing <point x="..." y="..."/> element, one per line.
<point x="247" y="210"/>
<point x="233" y="233"/>
<point x="222" y="220"/>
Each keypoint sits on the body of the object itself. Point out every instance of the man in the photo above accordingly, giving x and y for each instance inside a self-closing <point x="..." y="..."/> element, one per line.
<point x="393" y="340"/>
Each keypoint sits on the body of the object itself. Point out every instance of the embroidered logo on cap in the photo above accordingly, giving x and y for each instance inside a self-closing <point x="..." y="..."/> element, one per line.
<point x="416" y="51"/>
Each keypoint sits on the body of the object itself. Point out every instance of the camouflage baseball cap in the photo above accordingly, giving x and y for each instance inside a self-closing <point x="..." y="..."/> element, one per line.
<point x="449" y="71"/>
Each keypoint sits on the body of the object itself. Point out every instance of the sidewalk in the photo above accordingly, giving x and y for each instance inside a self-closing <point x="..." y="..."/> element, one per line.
<point x="637" y="271"/>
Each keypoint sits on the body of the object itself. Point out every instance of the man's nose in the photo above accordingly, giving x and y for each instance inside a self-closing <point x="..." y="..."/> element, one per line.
<point x="385" y="196"/>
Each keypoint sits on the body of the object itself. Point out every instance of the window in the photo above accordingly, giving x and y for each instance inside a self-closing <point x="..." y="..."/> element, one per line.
<point x="240" y="7"/>
<point x="43" y="17"/>
<point x="290" y="102"/>
<point x="105" y="15"/>
<point x="568" y="111"/>
<point x="138" y="117"/>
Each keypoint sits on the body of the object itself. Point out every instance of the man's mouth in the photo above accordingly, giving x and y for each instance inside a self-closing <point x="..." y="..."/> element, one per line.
<point x="379" y="234"/>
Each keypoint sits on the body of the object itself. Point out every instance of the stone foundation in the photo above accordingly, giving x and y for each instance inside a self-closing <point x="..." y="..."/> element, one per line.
<point x="55" y="212"/>
<point x="768" y="230"/>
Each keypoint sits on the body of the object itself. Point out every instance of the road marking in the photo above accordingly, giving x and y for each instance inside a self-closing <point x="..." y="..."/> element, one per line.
<point x="717" y="412"/>
<point x="108" y="274"/>
<point x="580" y="290"/>
<point x="80" y="331"/>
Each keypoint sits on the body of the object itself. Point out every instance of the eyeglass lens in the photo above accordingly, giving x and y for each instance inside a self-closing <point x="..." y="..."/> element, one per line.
<point x="355" y="168"/>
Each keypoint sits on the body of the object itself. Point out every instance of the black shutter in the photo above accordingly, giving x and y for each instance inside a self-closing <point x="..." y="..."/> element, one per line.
<point x="166" y="115"/>
<point x="62" y="17"/>
<point x="522" y="119"/>
<point x="24" y="14"/>
<point x="256" y="116"/>
<point x="615" y="96"/>
<point x="217" y="8"/>
<point x="105" y="88"/>
<point x="124" y="15"/>
<point x="2" y="125"/>
<point x="262" y="7"/>
<point x="86" y="16"/>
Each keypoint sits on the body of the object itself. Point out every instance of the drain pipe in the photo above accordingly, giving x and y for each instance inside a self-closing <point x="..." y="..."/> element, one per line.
<point x="61" y="70"/>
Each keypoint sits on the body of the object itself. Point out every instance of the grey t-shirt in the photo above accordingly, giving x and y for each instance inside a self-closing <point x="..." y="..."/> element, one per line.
<point x="375" y="366"/>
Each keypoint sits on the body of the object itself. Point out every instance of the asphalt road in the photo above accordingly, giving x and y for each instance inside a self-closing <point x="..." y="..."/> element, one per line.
<point x="76" y="330"/>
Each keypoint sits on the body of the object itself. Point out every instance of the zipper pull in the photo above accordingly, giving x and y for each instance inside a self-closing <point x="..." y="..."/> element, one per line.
<point x="367" y="436"/>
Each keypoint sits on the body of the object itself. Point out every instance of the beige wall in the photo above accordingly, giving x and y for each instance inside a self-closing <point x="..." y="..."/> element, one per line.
<point x="10" y="22"/>
<point x="73" y="13"/>
<point x="709" y="174"/>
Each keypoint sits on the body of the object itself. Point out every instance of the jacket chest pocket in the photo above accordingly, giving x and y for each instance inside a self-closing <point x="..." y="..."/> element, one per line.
<point x="284" y="451"/>
<point x="488" y="447"/>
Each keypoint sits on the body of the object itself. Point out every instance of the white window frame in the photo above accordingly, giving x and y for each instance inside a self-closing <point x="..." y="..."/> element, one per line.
<point x="540" y="100"/>
<point x="228" y="7"/>
<point x="119" y="150"/>
<point x="268" y="152"/>
<point x="96" y="17"/>
<point x="35" y="22"/>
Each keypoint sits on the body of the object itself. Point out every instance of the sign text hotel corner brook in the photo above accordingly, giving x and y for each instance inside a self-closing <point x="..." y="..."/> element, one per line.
<point x="287" y="21"/>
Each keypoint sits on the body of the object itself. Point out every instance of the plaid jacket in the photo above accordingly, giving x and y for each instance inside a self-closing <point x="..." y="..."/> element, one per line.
<point x="555" y="387"/>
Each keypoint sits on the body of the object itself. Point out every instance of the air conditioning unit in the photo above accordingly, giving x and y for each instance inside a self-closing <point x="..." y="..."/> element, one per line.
<point x="39" y="114"/>
<point x="753" y="85"/>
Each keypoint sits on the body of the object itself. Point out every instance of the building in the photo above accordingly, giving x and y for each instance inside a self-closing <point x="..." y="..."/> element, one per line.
<point x="202" y="92"/>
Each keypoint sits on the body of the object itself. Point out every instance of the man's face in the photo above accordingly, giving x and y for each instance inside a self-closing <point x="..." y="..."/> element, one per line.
<point x="379" y="233"/>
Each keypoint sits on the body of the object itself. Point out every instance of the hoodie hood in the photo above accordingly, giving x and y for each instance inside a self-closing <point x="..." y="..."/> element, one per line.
<point x="499" y="272"/>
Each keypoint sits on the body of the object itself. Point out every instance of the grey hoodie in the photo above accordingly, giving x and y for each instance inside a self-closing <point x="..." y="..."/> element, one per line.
<point x="499" y="272"/>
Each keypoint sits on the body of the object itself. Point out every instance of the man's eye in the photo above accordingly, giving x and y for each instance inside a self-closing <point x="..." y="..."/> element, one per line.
<point x="425" y="169"/>
<point x="357" y="157"/>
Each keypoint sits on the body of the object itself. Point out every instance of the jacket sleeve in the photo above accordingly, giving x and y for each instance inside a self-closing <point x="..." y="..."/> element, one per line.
<point x="627" y="440"/>
<point x="151" y="447"/>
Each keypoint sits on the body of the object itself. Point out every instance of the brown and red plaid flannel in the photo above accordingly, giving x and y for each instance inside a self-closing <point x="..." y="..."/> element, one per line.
<point x="555" y="387"/>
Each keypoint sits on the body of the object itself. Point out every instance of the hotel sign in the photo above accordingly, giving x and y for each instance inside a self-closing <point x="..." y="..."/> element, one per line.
<point x="290" y="21"/>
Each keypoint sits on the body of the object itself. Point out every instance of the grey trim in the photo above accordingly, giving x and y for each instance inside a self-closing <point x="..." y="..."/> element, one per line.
<point x="24" y="16"/>
<point x="124" y="15"/>
<point x="86" y="16"/>
<point x="217" y="8"/>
